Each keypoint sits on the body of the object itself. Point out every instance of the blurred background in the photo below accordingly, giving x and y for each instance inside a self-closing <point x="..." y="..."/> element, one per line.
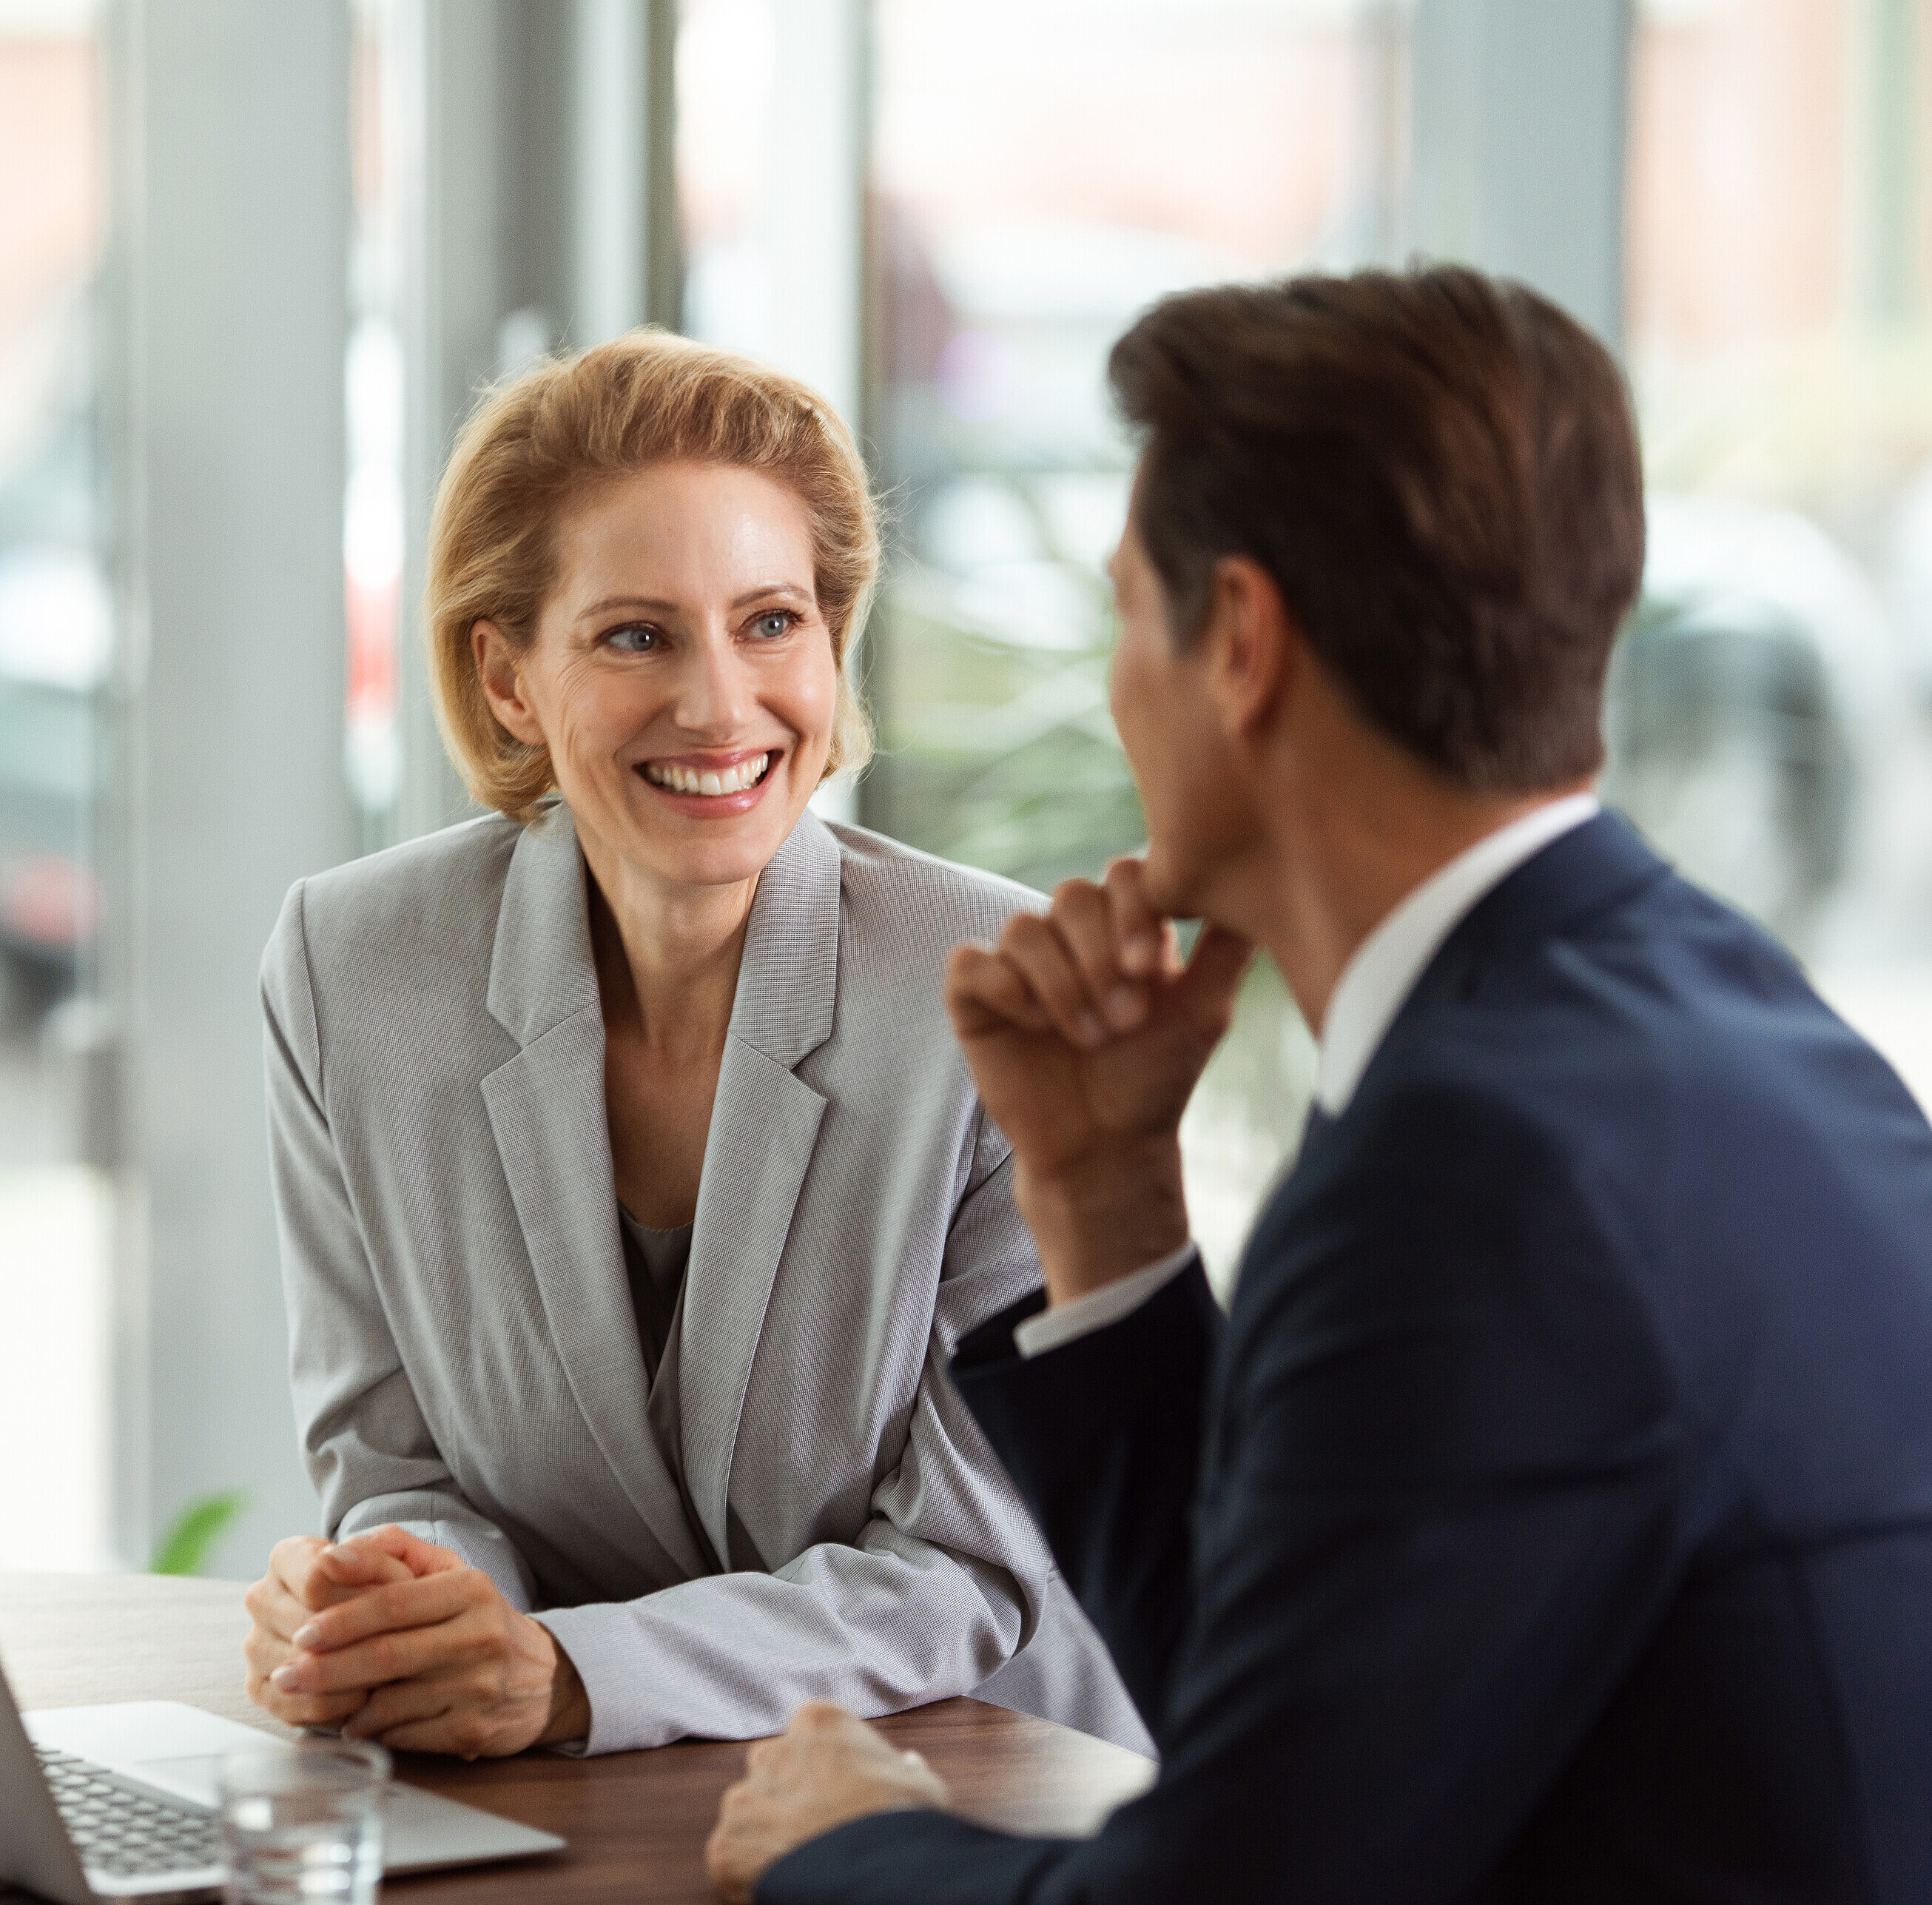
<point x="255" y="260"/>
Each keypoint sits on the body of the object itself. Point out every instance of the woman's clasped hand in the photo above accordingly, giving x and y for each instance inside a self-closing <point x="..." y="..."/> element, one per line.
<point x="397" y="1640"/>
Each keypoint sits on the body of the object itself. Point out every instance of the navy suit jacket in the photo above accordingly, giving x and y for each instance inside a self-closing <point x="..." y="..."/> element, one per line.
<point x="1551" y="1520"/>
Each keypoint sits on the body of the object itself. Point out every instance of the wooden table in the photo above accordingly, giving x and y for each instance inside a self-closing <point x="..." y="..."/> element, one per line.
<point x="636" y="1821"/>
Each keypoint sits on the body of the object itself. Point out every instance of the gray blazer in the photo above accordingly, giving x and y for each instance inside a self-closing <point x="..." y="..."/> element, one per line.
<point x="465" y="1355"/>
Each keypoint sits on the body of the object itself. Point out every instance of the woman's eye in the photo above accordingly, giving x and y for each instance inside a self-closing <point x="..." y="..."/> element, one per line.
<point x="632" y="641"/>
<point x="774" y="622"/>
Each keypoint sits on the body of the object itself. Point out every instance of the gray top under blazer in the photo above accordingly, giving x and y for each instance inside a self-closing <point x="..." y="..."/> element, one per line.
<point x="465" y="1356"/>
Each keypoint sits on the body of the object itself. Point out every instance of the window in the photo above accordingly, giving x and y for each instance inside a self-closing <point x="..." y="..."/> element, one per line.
<point x="55" y="649"/>
<point x="1772" y="712"/>
<point x="1023" y="210"/>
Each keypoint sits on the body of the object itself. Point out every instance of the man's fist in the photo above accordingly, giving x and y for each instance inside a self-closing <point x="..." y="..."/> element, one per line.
<point x="1086" y="1035"/>
<point x="825" y="1769"/>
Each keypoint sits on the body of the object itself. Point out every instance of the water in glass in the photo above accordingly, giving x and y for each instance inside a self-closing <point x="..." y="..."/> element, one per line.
<point x="304" y="1824"/>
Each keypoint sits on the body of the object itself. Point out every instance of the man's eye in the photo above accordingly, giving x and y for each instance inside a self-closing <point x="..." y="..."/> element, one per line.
<point x="637" y="641"/>
<point x="773" y="622"/>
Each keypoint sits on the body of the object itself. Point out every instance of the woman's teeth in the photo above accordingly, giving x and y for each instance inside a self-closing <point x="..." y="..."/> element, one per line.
<point x="708" y="780"/>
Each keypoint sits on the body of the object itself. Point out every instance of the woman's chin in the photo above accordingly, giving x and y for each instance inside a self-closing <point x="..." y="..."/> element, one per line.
<point x="686" y="844"/>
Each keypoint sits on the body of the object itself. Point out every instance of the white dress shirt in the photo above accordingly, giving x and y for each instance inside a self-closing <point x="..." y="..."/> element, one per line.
<point x="1380" y="975"/>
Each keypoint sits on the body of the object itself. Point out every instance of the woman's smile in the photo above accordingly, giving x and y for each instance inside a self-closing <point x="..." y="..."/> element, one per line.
<point x="712" y="786"/>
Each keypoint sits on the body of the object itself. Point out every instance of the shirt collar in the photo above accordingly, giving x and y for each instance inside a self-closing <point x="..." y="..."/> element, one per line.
<point x="1384" y="969"/>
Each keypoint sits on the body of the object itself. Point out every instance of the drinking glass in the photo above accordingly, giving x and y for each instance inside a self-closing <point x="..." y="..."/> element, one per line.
<point x="302" y="1824"/>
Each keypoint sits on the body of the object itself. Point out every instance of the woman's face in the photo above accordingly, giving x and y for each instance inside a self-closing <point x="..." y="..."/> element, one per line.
<point x="681" y="675"/>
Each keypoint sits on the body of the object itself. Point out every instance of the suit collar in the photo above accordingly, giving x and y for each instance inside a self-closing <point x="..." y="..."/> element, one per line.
<point x="1386" y="966"/>
<point x="1598" y="864"/>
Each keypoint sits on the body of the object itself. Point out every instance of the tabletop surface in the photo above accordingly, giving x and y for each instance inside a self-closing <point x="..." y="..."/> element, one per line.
<point x="636" y="1821"/>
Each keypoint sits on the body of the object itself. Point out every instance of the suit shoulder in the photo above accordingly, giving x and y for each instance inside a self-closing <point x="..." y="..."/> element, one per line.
<point x="919" y="894"/>
<point x="435" y="896"/>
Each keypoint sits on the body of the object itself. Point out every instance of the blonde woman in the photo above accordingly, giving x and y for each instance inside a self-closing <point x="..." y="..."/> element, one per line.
<point x="632" y="1189"/>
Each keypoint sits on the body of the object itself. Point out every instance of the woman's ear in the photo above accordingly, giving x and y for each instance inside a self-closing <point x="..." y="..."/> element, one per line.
<point x="1252" y="644"/>
<point x="502" y="682"/>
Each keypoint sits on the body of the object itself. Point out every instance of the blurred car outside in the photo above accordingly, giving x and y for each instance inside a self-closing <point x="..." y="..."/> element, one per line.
<point x="55" y="634"/>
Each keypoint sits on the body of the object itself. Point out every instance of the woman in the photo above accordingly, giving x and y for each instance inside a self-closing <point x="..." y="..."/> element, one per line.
<point x="632" y="1190"/>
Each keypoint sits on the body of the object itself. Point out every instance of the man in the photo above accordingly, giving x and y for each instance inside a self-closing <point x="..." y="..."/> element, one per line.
<point x="1551" y="1518"/>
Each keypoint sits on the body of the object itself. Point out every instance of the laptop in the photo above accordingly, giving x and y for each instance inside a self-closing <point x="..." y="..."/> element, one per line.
<point x="119" y="1802"/>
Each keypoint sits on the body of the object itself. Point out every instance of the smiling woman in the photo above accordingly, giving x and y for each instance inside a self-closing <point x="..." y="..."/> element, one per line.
<point x="632" y="1188"/>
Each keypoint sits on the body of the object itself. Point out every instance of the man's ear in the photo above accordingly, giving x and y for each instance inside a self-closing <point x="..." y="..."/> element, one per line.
<point x="502" y="682"/>
<point x="1251" y="644"/>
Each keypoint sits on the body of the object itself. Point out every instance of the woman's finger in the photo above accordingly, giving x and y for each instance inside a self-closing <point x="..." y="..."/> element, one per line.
<point x="382" y="1658"/>
<point x="1083" y="915"/>
<point x="292" y="1562"/>
<point x="448" y="1733"/>
<point x="263" y="1652"/>
<point x="306" y="1709"/>
<point x="418" y="1556"/>
<point x="403" y="1703"/>
<point x="385" y="1554"/>
<point x="402" y="1605"/>
<point x="1034" y="947"/>
<point x="273" y="1609"/>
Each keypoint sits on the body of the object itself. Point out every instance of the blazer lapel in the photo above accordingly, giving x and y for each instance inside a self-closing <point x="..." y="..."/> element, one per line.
<point x="546" y="1109"/>
<point x="764" y="1123"/>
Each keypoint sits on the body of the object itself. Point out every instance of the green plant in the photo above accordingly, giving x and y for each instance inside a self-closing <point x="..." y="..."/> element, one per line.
<point x="189" y="1542"/>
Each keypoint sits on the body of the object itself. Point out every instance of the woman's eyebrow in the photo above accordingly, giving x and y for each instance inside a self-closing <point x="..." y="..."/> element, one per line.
<point x="770" y="589"/>
<point x="611" y="602"/>
<point x="648" y="606"/>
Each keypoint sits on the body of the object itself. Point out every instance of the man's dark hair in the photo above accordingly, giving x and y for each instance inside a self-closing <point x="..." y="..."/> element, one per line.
<point x="1440" y="472"/>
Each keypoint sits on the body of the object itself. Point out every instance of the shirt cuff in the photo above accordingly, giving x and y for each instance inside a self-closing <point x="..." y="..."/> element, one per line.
<point x="1064" y="1322"/>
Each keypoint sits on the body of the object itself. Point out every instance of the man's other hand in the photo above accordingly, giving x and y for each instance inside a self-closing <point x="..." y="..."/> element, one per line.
<point x="825" y="1769"/>
<point x="1087" y="1034"/>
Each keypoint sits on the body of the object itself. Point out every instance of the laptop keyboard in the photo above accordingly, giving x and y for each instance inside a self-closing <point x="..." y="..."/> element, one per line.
<point x="118" y="1830"/>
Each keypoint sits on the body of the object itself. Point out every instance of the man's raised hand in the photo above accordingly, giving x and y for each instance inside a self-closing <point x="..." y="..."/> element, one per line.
<point x="1086" y="1035"/>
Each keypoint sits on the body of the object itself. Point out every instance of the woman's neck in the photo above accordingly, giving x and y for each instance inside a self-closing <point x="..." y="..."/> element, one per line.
<point x="667" y="956"/>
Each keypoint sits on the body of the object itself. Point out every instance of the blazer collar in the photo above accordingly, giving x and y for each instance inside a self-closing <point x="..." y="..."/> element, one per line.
<point x="788" y="980"/>
<point x="541" y="970"/>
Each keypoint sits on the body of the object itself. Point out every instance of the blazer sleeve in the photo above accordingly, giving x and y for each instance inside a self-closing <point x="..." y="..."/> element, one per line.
<point x="945" y="1581"/>
<point x="1436" y="1522"/>
<point x="1110" y="1488"/>
<point x="368" y="1451"/>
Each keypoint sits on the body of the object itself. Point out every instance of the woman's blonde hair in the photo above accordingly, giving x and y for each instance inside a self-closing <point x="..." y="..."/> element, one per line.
<point x="535" y="444"/>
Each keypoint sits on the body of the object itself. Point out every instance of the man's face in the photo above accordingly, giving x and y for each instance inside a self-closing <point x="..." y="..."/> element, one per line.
<point x="1166" y="719"/>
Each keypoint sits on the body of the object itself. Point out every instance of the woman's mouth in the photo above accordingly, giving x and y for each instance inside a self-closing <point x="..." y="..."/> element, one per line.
<point x="676" y="777"/>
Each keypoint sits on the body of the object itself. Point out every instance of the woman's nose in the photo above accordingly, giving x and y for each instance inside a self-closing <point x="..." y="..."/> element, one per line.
<point x="713" y="692"/>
